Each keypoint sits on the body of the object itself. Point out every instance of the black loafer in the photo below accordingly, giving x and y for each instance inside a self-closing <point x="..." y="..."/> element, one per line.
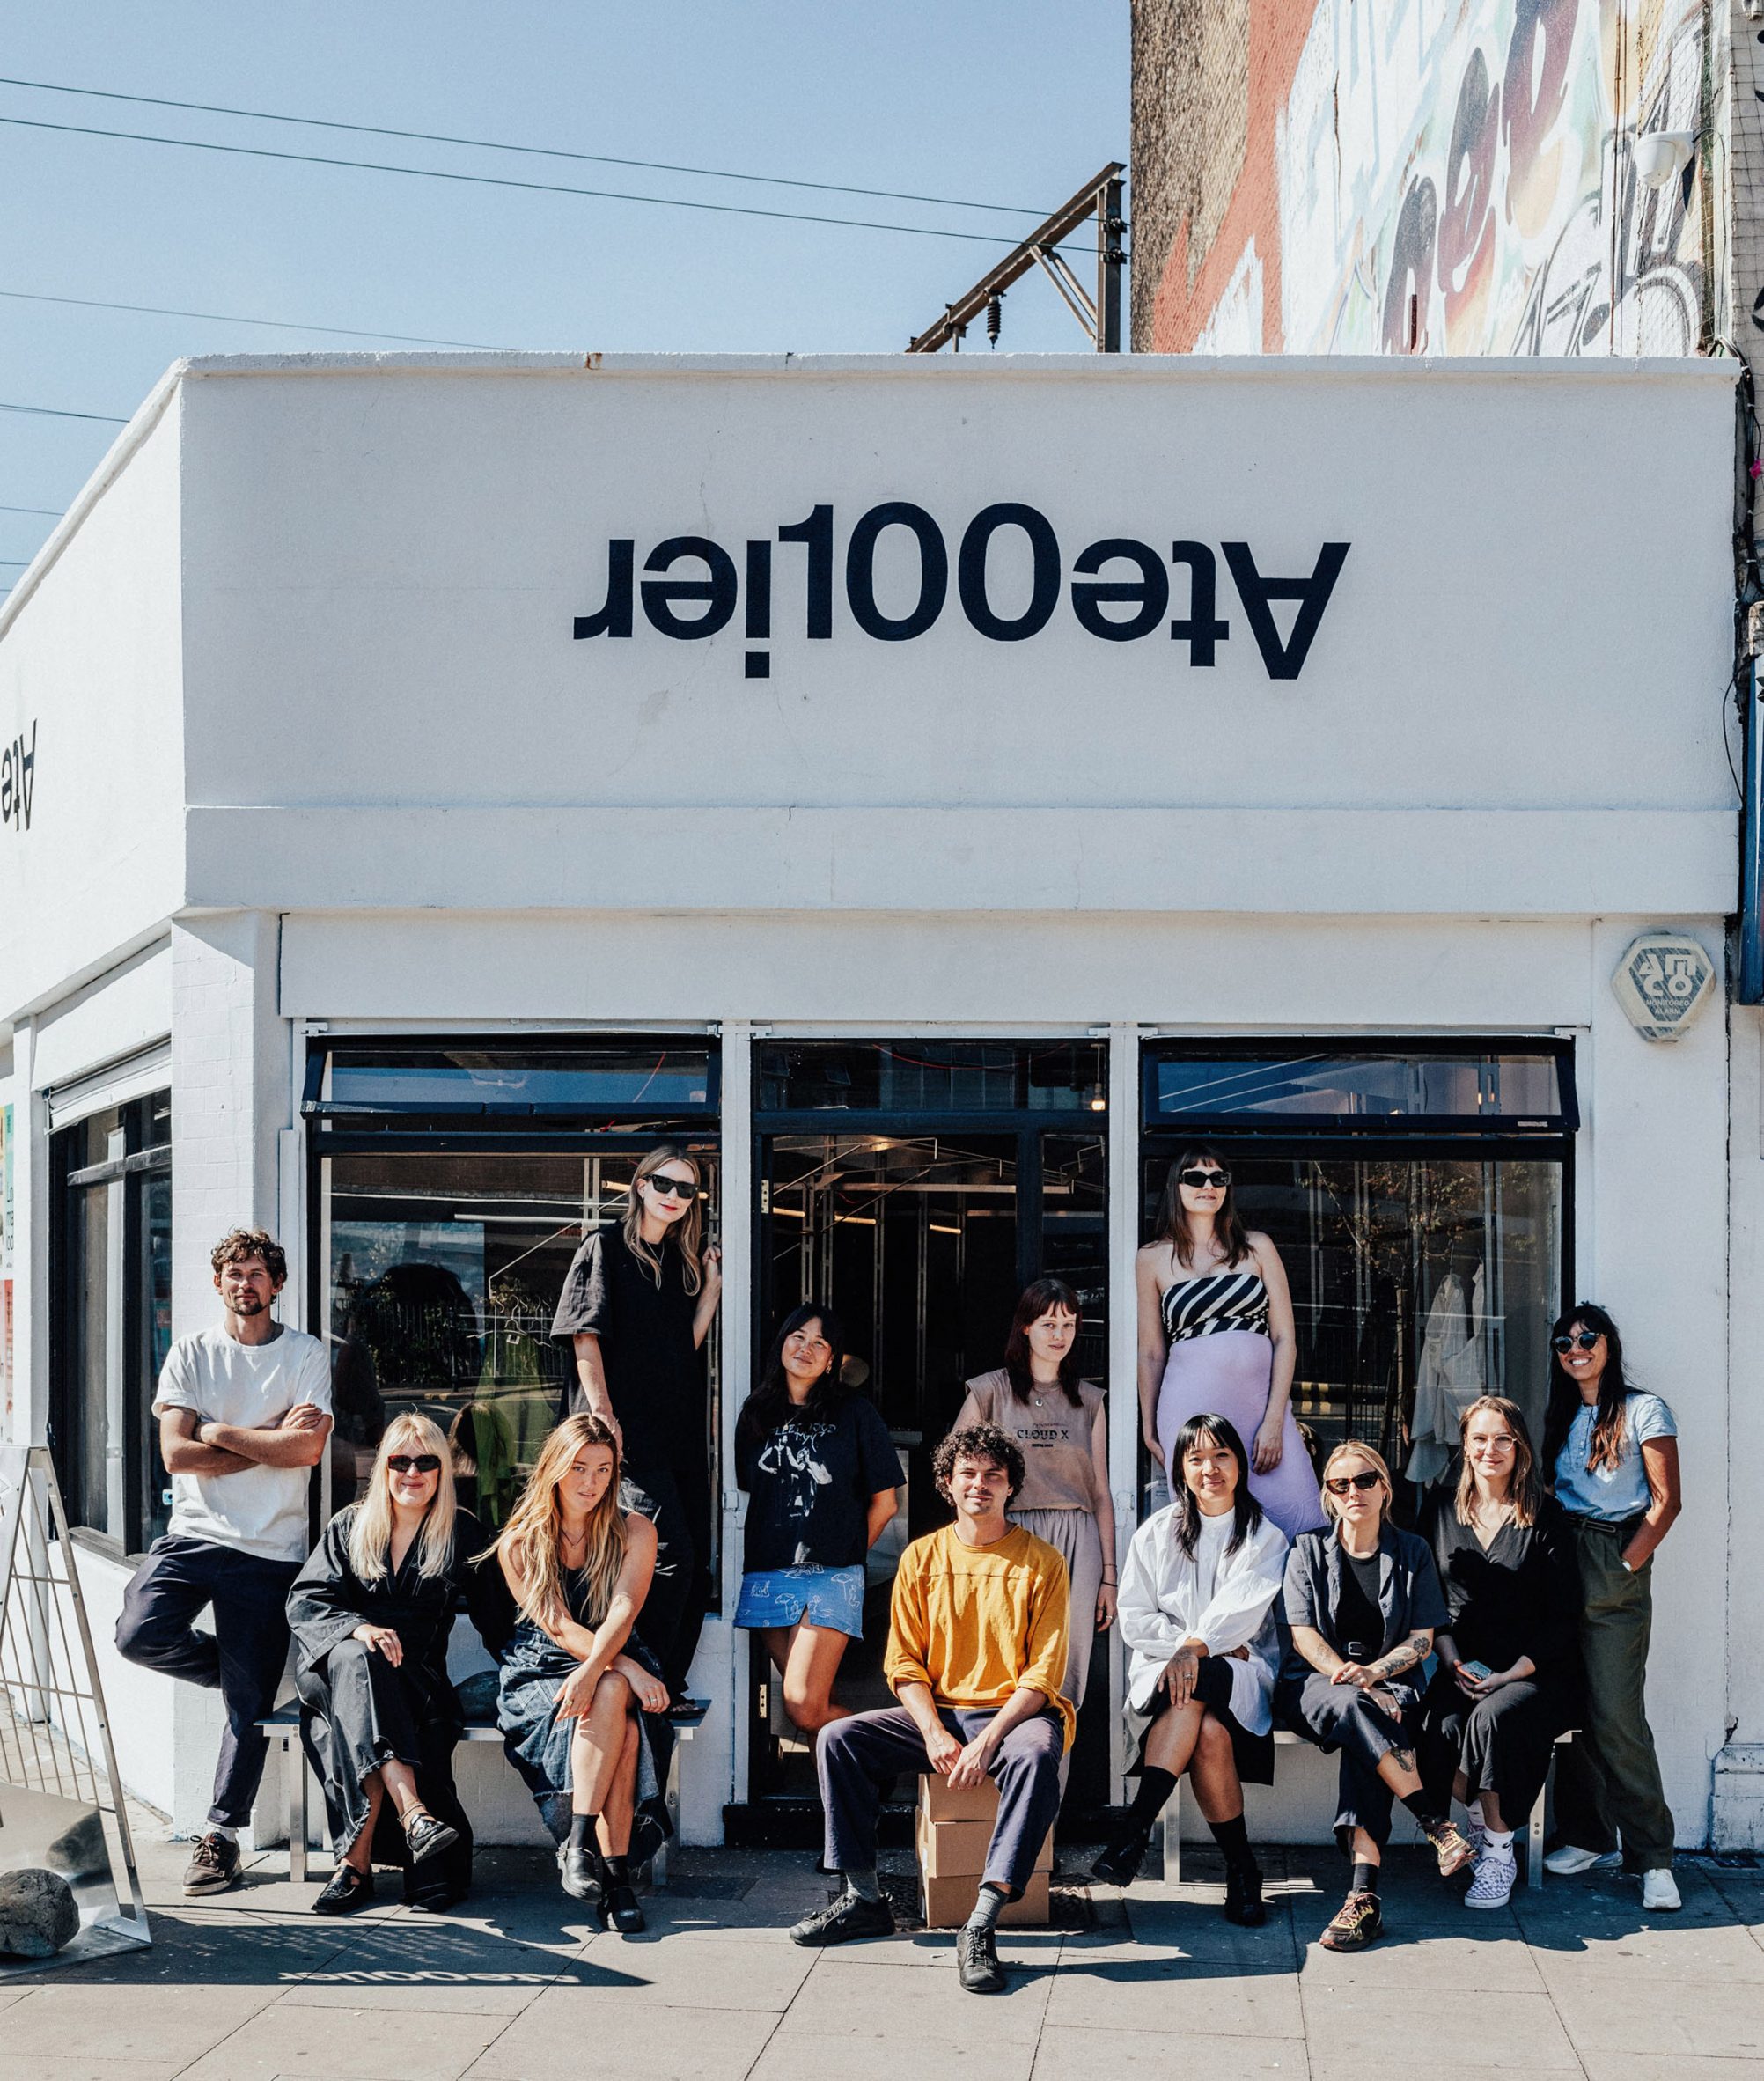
<point x="622" y="1911"/>
<point x="427" y="1836"/>
<point x="347" y="1892"/>
<point x="1243" y="1897"/>
<point x="977" y="1965"/>
<point x="1119" y="1865"/>
<point x="583" y="1875"/>
<point x="847" y="1920"/>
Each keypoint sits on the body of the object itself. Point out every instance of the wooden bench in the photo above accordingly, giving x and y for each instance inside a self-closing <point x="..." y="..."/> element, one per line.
<point x="1535" y="1854"/>
<point x="282" y="1726"/>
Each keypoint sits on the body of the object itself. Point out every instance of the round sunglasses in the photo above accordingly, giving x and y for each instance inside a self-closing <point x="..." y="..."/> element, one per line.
<point x="1340" y="1484"/>
<point x="409" y="1463"/>
<point x="1584" y="1338"/>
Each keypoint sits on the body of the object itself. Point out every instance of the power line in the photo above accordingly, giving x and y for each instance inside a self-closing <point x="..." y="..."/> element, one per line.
<point x="590" y="158"/>
<point x="541" y="187"/>
<point x="48" y="512"/>
<point x="52" y="412"/>
<point x="289" y="325"/>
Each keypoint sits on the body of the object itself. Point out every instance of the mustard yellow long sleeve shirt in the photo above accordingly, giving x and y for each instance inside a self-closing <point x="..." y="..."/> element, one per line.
<point x="977" y="1623"/>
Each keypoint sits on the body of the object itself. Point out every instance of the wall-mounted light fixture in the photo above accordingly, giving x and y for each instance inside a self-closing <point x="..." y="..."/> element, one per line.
<point x="1660" y="156"/>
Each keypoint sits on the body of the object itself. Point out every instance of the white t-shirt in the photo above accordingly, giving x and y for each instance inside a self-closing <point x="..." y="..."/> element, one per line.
<point x="261" y="1510"/>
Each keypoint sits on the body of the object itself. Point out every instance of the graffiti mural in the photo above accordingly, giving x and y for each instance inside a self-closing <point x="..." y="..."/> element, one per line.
<point x="1455" y="177"/>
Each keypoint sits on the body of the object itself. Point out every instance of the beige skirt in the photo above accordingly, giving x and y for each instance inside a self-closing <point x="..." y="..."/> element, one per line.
<point x="1073" y="1535"/>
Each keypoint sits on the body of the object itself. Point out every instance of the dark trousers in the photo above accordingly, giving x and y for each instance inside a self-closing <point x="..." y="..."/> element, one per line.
<point x="1607" y="1782"/>
<point x="855" y="1757"/>
<point x="1502" y="1743"/>
<point x="1343" y="1717"/>
<point x="243" y="1658"/>
<point x="677" y="1502"/>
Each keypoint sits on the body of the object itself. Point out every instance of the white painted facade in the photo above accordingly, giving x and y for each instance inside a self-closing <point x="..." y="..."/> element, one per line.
<point x="316" y="749"/>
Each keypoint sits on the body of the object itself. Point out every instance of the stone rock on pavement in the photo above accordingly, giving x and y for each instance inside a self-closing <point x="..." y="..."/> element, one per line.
<point x="38" y="1912"/>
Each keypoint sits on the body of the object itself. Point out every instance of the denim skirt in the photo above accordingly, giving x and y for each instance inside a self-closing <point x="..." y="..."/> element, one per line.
<point x="829" y="1597"/>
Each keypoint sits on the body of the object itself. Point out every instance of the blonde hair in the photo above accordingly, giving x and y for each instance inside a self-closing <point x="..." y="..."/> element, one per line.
<point x="1352" y="1448"/>
<point x="687" y="1234"/>
<point x="1522" y="1483"/>
<point x="531" y="1540"/>
<point x="370" y="1527"/>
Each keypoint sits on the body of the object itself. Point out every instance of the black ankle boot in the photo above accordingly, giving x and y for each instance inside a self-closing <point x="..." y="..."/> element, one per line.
<point x="1119" y="1865"/>
<point x="1243" y="1896"/>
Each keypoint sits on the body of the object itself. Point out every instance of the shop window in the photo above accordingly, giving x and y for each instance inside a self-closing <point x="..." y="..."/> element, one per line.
<point x="1453" y="1088"/>
<point x="932" y="1076"/>
<point x="614" y="1084"/>
<point x="110" y="1273"/>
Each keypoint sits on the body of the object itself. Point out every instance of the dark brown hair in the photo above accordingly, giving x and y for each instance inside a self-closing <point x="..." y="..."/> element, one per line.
<point x="977" y="1441"/>
<point x="1173" y="1218"/>
<point x="238" y="1243"/>
<point x="1609" y="1427"/>
<point x="1040" y="1297"/>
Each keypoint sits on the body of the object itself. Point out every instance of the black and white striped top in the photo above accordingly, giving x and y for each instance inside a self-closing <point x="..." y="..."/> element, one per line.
<point x="1216" y="1301"/>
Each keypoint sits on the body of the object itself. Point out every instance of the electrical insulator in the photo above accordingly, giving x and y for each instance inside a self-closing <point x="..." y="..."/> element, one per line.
<point x="995" y="318"/>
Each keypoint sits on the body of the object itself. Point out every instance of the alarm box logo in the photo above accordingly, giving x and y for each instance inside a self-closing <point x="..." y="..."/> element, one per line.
<point x="1117" y="590"/>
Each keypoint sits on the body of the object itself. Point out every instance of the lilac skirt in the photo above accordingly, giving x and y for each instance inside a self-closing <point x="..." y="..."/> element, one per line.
<point x="1227" y="1374"/>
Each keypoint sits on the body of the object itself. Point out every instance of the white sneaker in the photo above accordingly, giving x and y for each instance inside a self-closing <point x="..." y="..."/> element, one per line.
<point x="1660" y="1892"/>
<point x="1496" y="1869"/>
<point x="1565" y="1862"/>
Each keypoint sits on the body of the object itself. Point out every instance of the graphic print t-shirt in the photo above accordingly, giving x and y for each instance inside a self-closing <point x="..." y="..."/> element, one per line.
<point x="809" y="1485"/>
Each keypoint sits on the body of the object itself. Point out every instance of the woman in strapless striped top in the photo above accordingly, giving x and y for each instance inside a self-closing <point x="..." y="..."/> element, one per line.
<point x="1216" y="1337"/>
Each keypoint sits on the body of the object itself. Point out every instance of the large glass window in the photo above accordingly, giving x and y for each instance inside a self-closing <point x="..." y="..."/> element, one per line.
<point x="1435" y="1089"/>
<point x="111" y="1266"/>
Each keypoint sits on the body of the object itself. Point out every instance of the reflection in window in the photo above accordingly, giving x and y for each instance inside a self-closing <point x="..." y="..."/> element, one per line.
<point x="474" y="1078"/>
<point x="932" y="1076"/>
<point x="1317" y="1089"/>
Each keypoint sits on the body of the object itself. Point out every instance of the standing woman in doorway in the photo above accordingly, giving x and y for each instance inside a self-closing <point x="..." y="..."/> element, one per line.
<point x="1216" y="1334"/>
<point x="822" y="1476"/>
<point x="637" y="1304"/>
<point x="1613" y="1455"/>
<point x="1061" y="1428"/>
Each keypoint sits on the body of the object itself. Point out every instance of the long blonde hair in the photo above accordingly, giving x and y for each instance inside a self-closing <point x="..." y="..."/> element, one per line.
<point x="370" y="1527"/>
<point x="531" y="1540"/>
<point x="687" y="1234"/>
<point x="1372" y="1458"/>
<point x="1522" y="1483"/>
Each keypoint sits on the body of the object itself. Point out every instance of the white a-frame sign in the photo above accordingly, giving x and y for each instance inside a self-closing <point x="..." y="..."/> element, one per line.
<point x="64" y="1843"/>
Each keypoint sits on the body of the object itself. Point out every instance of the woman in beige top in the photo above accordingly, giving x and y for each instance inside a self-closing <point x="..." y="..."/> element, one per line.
<point x="1058" y="1421"/>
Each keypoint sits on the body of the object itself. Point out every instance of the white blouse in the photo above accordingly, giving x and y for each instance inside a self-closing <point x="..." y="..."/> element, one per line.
<point x="1227" y="1600"/>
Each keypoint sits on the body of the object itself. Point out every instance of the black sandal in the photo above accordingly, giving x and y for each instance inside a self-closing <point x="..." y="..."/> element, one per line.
<point x="347" y="1892"/>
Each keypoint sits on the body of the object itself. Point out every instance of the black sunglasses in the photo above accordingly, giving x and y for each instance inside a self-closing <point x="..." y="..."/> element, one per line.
<point x="1200" y="1179"/>
<point x="670" y="1187"/>
<point x="413" y="1462"/>
<point x="1340" y="1484"/>
<point x="1585" y="1338"/>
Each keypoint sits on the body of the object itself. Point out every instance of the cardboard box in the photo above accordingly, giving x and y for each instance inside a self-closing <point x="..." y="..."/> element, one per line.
<point x="938" y="1802"/>
<point x="950" y="1901"/>
<point x="957" y="1850"/>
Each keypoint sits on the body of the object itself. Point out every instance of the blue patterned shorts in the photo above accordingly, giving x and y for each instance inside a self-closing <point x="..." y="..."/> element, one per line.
<point x="830" y="1597"/>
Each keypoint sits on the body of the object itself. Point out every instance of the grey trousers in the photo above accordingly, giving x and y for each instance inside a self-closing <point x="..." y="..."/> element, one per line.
<point x="857" y="1756"/>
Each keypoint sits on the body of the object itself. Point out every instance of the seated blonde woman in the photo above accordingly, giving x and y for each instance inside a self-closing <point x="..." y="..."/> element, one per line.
<point x="582" y="1702"/>
<point x="370" y="1614"/>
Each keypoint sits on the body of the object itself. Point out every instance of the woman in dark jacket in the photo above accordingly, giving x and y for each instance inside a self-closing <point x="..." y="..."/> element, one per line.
<point x="371" y="1613"/>
<point x="1362" y="1600"/>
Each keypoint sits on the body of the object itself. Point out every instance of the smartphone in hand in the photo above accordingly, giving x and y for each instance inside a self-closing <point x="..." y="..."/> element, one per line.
<point x="1480" y="1671"/>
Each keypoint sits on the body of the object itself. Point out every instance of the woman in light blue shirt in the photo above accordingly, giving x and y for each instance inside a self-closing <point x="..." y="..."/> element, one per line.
<point x="1613" y="1457"/>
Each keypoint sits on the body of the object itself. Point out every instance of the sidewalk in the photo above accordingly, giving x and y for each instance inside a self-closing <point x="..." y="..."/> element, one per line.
<point x="253" y="1987"/>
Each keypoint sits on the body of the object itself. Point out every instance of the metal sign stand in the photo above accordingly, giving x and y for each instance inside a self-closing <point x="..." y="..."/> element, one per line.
<point x="62" y="1804"/>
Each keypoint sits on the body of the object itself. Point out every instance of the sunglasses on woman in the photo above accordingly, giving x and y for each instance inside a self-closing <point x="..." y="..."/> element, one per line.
<point x="1340" y="1484"/>
<point x="1585" y="1338"/>
<point x="409" y="1463"/>
<point x="670" y="1188"/>
<point x="1199" y="1180"/>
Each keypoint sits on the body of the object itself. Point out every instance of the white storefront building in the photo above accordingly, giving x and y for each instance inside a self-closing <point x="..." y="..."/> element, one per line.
<point x="429" y="780"/>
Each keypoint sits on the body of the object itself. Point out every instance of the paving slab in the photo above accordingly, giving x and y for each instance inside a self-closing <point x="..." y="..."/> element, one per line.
<point x="284" y="2043"/>
<point x="909" y="2010"/>
<point x="1073" y="2053"/>
<point x="558" y="2035"/>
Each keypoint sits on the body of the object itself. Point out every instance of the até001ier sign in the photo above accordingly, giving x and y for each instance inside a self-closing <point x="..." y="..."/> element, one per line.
<point x="1117" y="590"/>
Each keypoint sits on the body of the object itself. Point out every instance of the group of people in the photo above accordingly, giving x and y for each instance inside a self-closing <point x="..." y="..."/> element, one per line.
<point x="1255" y="1600"/>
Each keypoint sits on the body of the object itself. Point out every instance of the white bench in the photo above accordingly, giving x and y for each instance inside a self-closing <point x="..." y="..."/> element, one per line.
<point x="1534" y="1854"/>
<point x="282" y="1726"/>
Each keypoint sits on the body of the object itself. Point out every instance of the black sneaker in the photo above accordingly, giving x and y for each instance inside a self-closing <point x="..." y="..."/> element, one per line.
<point x="1243" y="1896"/>
<point x="977" y="1965"/>
<point x="843" y="1922"/>
<point x="427" y="1836"/>
<point x="348" y="1892"/>
<point x="582" y="1875"/>
<point x="213" y="1867"/>
<point x="1356" y="1923"/>
<point x="1119" y="1865"/>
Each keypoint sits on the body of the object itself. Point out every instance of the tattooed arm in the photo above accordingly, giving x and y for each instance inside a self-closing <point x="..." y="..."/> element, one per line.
<point x="1414" y="1651"/>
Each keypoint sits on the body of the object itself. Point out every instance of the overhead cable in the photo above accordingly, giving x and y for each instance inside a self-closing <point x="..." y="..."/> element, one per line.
<point x="540" y="187"/>
<point x="542" y="151"/>
<point x="55" y="412"/>
<point x="285" y="325"/>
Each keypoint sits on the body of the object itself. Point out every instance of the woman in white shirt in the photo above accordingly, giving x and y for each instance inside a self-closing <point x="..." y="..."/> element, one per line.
<point x="1196" y="1608"/>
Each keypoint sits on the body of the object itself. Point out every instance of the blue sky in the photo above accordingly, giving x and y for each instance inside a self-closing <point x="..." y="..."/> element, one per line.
<point x="1005" y="101"/>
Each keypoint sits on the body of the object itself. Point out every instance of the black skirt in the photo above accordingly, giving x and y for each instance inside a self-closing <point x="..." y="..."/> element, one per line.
<point x="1254" y="1752"/>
